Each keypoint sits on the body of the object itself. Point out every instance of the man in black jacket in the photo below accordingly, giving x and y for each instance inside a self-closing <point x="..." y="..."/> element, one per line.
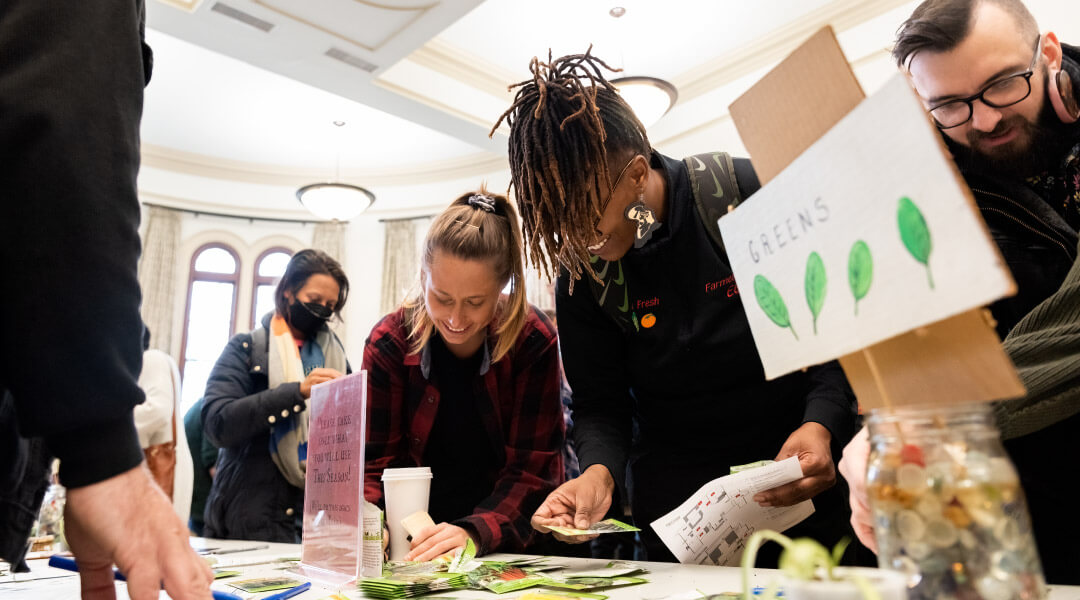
<point x="1003" y="97"/>
<point x="71" y="90"/>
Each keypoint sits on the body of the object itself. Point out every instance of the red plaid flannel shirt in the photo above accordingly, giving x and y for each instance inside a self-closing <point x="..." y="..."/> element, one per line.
<point x="522" y="412"/>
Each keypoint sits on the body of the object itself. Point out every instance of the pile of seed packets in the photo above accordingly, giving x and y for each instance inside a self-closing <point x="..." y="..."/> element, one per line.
<point x="411" y="579"/>
<point x="411" y="585"/>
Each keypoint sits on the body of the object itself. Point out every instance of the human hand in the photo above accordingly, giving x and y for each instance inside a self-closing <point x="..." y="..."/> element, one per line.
<point x="435" y="541"/>
<point x="853" y="469"/>
<point x="577" y="503"/>
<point x="810" y="443"/>
<point x="315" y="377"/>
<point x="128" y="521"/>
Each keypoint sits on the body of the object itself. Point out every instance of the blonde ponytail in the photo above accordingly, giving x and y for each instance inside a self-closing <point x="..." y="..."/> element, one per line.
<point x="476" y="226"/>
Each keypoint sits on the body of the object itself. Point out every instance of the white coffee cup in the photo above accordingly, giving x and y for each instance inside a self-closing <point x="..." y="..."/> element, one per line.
<point x="406" y="491"/>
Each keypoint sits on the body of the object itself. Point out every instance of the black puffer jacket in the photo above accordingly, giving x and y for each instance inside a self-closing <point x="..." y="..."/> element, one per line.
<point x="249" y="498"/>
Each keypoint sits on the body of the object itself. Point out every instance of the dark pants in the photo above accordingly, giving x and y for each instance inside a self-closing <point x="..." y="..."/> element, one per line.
<point x="1046" y="461"/>
<point x="71" y="89"/>
<point x="23" y="481"/>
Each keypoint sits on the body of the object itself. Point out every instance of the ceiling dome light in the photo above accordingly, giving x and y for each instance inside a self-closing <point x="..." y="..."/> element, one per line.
<point x="649" y="97"/>
<point x="335" y="201"/>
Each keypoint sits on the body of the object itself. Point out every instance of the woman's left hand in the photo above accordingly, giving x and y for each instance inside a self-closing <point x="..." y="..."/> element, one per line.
<point x="433" y="542"/>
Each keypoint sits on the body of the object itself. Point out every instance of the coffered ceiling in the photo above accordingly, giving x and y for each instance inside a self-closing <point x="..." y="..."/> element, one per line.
<point x="244" y="92"/>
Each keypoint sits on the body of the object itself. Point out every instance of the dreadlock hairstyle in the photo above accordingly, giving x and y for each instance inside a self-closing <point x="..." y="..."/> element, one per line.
<point x="476" y="226"/>
<point x="565" y="123"/>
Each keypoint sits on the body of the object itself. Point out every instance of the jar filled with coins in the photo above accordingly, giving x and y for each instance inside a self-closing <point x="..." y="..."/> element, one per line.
<point x="947" y="505"/>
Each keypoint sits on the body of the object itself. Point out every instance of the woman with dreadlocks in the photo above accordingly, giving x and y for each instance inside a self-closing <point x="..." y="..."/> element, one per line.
<point x="652" y="327"/>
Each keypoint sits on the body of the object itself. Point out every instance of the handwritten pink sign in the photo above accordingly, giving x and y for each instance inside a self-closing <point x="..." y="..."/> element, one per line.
<point x="333" y="495"/>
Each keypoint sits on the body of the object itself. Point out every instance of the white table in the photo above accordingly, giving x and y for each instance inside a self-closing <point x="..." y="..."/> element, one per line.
<point x="665" y="579"/>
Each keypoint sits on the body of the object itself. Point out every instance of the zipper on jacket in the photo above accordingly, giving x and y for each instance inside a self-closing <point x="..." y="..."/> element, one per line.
<point x="1042" y="234"/>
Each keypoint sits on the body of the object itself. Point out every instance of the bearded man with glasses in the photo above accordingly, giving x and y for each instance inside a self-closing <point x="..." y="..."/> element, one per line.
<point x="1008" y="113"/>
<point x="1003" y="98"/>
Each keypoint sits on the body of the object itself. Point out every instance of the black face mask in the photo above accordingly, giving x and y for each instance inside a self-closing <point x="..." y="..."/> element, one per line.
<point x="308" y="317"/>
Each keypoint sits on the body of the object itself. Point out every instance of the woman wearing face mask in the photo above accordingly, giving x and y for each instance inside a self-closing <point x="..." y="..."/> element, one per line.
<point x="255" y="407"/>
<point x="465" y="380"/>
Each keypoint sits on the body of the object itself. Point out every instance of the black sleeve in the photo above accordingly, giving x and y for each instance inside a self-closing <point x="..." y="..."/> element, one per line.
<point x="831" y="402"/>
<point x="71" y="93"/>
<point x="594" y="359"/>
<point x="233" y="412"/>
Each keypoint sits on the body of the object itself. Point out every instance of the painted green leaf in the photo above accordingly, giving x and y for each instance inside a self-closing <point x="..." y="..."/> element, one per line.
<point x="860" y="271"/>
<point x="815" y="285"/>
<point x="772" y="303"/>
<point x="915" y="234"/>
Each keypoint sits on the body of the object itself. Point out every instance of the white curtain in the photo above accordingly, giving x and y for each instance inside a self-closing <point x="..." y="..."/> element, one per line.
<point x="401" y="262"/>
<point x="538" y="290"/>
<point x="157" y="274"/>
<point x="330" y="238"/>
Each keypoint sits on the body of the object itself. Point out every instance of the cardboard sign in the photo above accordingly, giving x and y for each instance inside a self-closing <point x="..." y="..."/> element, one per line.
<point x="333" y="494"/>
<point x="866" y="235"/>
<point x="956" y="360"/>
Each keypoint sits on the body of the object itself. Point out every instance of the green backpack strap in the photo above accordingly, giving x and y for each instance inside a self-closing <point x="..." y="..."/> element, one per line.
<point x="715" y="189"/>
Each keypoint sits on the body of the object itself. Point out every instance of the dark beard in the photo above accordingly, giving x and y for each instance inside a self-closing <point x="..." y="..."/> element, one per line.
<point x="1048" y="140"/>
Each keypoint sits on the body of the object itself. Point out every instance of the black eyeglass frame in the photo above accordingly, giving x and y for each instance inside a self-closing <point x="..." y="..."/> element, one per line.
<point x="1026" y="75"/>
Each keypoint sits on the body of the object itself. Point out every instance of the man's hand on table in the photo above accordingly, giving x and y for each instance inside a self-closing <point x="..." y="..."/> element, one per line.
<point x="128" y="521"/>
<point x="578" y="503"/>
<point x="810" y="443"/>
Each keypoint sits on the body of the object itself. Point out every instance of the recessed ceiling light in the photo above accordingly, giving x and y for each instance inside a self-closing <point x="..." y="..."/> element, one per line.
<point x="617" y="11"/>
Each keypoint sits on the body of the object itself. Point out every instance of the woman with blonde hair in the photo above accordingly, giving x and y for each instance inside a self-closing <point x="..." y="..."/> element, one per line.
<point x="465" y="380"/>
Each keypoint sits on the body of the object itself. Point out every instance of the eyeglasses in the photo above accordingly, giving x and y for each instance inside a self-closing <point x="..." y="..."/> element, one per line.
<point x="1001" y="93"/>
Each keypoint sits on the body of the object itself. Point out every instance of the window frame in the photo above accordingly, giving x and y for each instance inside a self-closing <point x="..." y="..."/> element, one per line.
<point x="193" y="276"/>
<point x="257" y="280"/>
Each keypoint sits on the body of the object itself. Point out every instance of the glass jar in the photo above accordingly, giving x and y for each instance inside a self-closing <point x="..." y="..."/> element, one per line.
<point x="947" y="505"/>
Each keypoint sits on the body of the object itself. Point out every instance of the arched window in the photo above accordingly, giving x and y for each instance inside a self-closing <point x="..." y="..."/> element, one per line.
<point x="269" y="268"/>
<point x="210" y="317"/>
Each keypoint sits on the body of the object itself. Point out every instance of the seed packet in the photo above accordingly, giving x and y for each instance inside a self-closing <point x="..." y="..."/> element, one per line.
<point x="265" y="584"/>
<point x="605" y="526"/>
<point x="753" y="465"/>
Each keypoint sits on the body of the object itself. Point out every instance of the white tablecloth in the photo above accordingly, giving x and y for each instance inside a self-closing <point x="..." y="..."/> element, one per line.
<point x="665" y="579"/>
